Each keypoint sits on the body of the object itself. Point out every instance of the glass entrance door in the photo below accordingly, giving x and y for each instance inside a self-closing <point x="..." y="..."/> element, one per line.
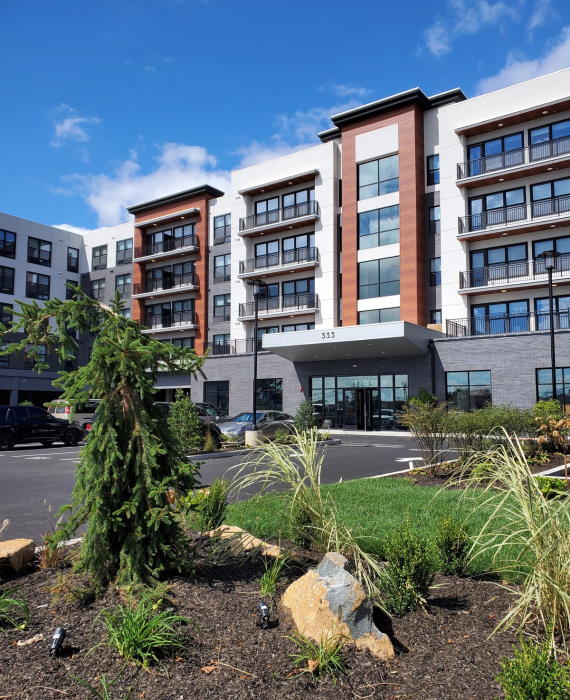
<point x="359" y="409"/>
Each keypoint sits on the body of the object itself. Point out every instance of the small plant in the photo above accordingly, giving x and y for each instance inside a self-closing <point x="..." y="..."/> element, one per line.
<point x="14" y="611"/>
<point x="211" y="509"/>
<point x="283" y="437"/>
<point x="429" y="426"/>
<point x="143" y="633"/>
<point x="483" y="471"/>
<point x="550" y="487"/>
<point x="319" y="658"/>
<point x="72" y="589"/>
<point x="185" y="425"/>
<point x="409" y="573"/>
<point x="268" y="582"/>
<point x="305" y="416"/>
<point x="102" y="690"/>
<point x="453" y="544"/>
<point x="532" y="674"/>
<point x="210" y="444"/>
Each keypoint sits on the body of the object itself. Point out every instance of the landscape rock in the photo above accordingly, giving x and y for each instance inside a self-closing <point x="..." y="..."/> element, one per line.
<point x="329" y="601"/>
<point x="15" y="554"/>
<point x="244" y="541"/>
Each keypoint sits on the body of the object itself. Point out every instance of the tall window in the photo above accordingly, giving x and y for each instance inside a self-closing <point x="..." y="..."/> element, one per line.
<point x="39" y="252"/>
<point x="124" y="251"/>
<point x="293" y="288"/>
<point x="379" y="278"/>
<point x="559" y="245"/>
<point x="379" y="227"/>
<point x="72" y="259"/>
<point x="218" y="394"/>
<point x="98" y="289"/>
<point x="500" y="152"/>
<point x="435" y="272"/>
<point x="298" y="203"/>
<point x="99" y="257"/>
<point x="222" y="228"/>
<point x="549" y="140"/>
<point x="6" y="314"/>
<point x="435" y="316"/>
<point x="37" y="286"/>
<point x="433" y="169"/>
<point x="468" y="391"/>
<point x="379" y="316"/>
<point x="222" y="268"/>
<point x="269" y="394"/>
<point x="561" y="310"/>
<point x="123" y="284"/>
<point x="69" y="293"/>
<point x="267" y="254"/>
<point x="7" y="244"/>
<point x="434" y="220"/>
<point x="267" y="211"/>
<point x="550" y="198"/>
<point x="500" y="317"/>
<point x="378" y="177"/>
<point x="222" y="306"/>
<point x="6" y="280"/>
<point x="221" y="343"/>
<point x="183" y="343"/>
<point x="298" y="248"/>
<point x="544" y="386"/>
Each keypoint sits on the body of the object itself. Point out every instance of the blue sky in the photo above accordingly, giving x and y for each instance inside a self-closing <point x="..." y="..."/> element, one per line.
<point x="108" y="103"/>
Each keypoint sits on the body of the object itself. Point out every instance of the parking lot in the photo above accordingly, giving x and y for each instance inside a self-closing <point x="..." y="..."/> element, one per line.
<point x="34" y="478"/>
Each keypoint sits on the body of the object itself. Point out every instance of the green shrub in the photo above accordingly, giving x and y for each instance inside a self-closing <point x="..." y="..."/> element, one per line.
<point x="430" y="427"/>
<point x="532" y="674"/>
<point x="210" y="444"/>
<point x="185" y="425"/>
<point x="14" y="611"/>
<point x="411" y="567"/>
<point x="305" y="416"/>
<point x="550" y="487"/>
<point x="283" y="437"/>
<point x="482" y="471"/>
<point x="453" y="543"/>
<point x="547" y="410"/>
<point x="213" y="506"/>
<point x="319" y="658"/>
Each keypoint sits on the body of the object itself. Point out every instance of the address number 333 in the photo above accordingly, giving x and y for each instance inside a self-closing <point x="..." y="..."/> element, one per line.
<point x="325" y="335"/>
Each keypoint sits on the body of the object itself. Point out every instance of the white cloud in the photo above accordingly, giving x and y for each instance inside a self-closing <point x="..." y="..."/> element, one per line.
<point x="345" y="90"/>
<point x="71" y="126"/>
<point x="178" y="167"/>
<point x="74" y="229"/>
<point x="437" y="39"/>
<point x="517" y="69"/>
<point x="542" y="11"/>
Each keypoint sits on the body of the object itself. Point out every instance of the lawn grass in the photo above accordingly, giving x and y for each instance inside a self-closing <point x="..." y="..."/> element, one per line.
<point x="372" y="509"/>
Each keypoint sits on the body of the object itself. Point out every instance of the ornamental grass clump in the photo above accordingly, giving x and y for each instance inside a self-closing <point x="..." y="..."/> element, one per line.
<point x="14" y="611"/>
<point x="319" y="659"/>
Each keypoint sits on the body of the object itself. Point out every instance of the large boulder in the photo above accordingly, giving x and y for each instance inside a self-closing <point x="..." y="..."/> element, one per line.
<point x="329" y="601"/>
<point x="15" y="554"/>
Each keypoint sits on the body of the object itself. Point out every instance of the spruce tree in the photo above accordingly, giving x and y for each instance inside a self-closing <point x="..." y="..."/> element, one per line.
<point x="305" y="416"/>
<point x="130" y="469"/>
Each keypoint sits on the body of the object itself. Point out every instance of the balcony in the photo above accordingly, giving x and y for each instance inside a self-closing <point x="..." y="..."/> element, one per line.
<point x="171" y="284"/>
<point x="167" y="248"/>
<point x="169" y="321"/>
<point x="524" y="273"/>
<point x="277" y="263"/>
<point x="506" y="324"/>
<point x="286" y="305"/>
<point x="538" y="158"/>
<point x="518" y="218"/>
<point x="235" y="347"/>
<point x="279" y="219"/>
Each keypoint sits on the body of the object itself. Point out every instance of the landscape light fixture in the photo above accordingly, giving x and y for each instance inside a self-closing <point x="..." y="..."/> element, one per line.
<point x="263" y="613"/>
<point x="57" y="641"/>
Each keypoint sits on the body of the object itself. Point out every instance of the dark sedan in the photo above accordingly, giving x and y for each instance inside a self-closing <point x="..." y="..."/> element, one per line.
<point x="22" y="424"/>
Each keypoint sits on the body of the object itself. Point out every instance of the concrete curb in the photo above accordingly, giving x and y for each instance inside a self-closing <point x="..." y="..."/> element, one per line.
<point x="232" y="453"/>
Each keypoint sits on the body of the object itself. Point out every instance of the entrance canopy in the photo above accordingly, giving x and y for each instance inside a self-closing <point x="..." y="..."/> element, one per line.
<point x="396" y="339"/>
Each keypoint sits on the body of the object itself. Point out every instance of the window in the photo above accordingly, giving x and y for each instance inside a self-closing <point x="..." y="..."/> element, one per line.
<point x="6" y="314"/>
<point x="544" y="386"/>
<point x="379" y="316"/>
<point x="6" y="280"/>
<point x="298" y="248"/>
<point x="123" y="284"/>
<point x="98" y="289"/>
<point x="435" y="272"/>
<point x="269" y="394"/>
<point x="37" y="286"/>
<point x="221" y="343"/>
<point x="501" y="152"/>
<point x="498" y="263"/>
<point x="379" y="278"/>
<point x="218" y="394"/>
<point x="222" y="228"/>
<point x="435" y="316"/>
<point x="468" y="391"/>
<point x="126" y="312"/>
<point x="379" y="227"/>
<point x="550" y="140"/>
<point x="500" y="317"/>
<point x="298" y="203"/>
<point x="69" y="293"/>
<point x="434" y="220"/>
<point x="550" y="198"/>
<point x="378" y="177"/>
<point x="99" y="257"/>
<point x="183" y="343"/>
<point x="222" y="307"/>
<point x="7" y="244"/>
<point x="561" y="311"/>
<point x="4" y="359"/>
<point x="169" y="314"/>
<point x="170" y="239"/>
<point x="124" y="251"/>
<point x="267" y="211"/>
<point x="297" y="327"/>
<point x="72" y="259"/>
<point x="222" y="268"/>
<point x="39" y="252"/>
<point x="559" y="245"/>
<point x="497" y="208"/>
<point x="433" y="170"/>
<point x="293" y="289"/>
<point x="267" y="254"/>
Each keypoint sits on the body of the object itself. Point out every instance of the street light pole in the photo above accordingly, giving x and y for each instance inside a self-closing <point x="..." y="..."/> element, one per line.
<point x="259" y="288"/>
<point x="549" y="257"/>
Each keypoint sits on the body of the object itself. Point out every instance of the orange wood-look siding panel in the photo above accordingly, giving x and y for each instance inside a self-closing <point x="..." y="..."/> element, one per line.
<point x="412" y="260"/>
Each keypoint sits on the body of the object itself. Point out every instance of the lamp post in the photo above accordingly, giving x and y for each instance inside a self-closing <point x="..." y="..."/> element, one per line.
<point x="259" y="290"/>
<point x="549" y="258"/>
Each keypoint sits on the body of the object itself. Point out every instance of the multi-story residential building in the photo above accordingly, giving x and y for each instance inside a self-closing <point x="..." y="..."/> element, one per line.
<point x="403" y="252"/>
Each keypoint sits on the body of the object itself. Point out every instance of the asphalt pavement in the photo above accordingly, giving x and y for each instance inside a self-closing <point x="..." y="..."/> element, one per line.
<point x="35" y="480"/>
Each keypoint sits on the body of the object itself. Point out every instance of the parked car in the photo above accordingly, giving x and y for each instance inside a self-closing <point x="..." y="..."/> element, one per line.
<point x="268" y="422"/>
<point x="208" y="423"/>
<point x="22" y="424"/>
<point x="71" y="411"/>
<point x="206" y="409"/>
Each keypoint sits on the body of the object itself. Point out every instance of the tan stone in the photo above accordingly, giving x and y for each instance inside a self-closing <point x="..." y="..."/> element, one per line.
<point x="328" y="602"/>
<point x="15" y="554"/>
<point x="244" y="540"/>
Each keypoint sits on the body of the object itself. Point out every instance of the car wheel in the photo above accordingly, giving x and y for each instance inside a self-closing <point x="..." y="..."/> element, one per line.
<point x="70" y="438"/>
<point x="6" y="441"/>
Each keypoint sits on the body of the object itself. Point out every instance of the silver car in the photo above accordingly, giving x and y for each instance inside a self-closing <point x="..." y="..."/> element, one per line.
<point x="268" y="422"/>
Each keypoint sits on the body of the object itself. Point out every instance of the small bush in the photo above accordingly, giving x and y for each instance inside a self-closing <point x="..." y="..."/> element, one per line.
<point x="453" y="544"/>
<point x="550" y="487"/>
<point x="547" y="410"/>
<point x="319" y="658"/>
<point x="482" y="471"/>
<point x="14" y="611"/>
<point x="185" y="425"/>
<point x="268" y="582"/>
<point x="305" y="416"/>
<point x="532" y="674"/>
<point x="210" y="444"/>
<point x="212" y="507"/>
<point x="411" y="567"/>
<point x="72" y="589"/>
<point x="429" y="424"/>
<point x="283" y="437"/>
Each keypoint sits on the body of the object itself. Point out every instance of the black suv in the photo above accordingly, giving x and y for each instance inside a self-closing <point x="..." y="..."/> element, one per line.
<point x="19" y="424"/>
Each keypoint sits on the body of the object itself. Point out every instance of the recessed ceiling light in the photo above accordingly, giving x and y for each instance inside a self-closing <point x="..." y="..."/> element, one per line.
<point x="501" y="179"/>
<point x="545" y="111"/>
<point x="289" y="183"/>
<point x="503" y="290"/>
<point x="500" y="124"/>
<point x="550" y="168"/>
<point x="504" y="234"/>
<point x="552" y="225"/>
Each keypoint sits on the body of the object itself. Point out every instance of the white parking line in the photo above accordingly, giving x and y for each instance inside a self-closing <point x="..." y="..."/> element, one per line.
<point x="368" y="444"/>
<point x="41" y="454"/>
<point x="70" y="459"/>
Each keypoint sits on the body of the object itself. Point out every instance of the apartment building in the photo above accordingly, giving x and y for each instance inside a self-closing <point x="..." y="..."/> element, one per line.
<point x="405" y="251"/>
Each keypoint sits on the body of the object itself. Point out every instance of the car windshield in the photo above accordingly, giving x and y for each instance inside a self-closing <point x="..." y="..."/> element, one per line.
<point x="247" y="417"/>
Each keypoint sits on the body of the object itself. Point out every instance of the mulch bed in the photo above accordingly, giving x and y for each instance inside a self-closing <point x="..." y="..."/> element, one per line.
<point x="444" y="652"/>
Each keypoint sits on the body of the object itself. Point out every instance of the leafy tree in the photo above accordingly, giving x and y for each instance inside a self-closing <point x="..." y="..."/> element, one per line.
<point x="130" y="469"/>
<point x="185" y="424"/>
<point x="305" y="416"/>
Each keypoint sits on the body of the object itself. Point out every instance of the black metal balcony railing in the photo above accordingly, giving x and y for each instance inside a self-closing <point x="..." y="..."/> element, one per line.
<point x="166" y="245"/>
<point x="170" y="319"/>
<point x="166" y="282"/>
<point x="235" y="347"/>
<point x="287" y="302"/>
<point x="287" y="257"/>
<point x="509" y="159"/>
<point x="505" y="273"/>
<point x="507" y="323"/>
<point x="556" y="206"/>
<point x="274" y="216"/>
